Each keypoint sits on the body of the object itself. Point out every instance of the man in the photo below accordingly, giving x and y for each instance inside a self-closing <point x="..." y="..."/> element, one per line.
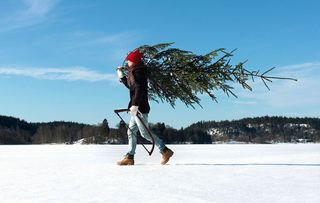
<point x="137" y="83"/>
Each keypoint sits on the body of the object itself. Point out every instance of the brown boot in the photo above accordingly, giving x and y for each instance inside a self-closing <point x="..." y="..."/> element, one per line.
<point x="127" y="160"/>
<point x="166" y="154"/>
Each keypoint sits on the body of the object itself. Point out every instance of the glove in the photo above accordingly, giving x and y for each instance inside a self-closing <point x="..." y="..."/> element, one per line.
<point x="120" y="72"/>
<point x="134" y="110"/>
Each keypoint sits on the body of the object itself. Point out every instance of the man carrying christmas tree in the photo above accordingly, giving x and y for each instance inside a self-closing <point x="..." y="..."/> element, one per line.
<point x="137" y="83"/>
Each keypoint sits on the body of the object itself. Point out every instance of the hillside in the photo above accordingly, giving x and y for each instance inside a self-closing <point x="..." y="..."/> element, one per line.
<point x="248" y="130"/>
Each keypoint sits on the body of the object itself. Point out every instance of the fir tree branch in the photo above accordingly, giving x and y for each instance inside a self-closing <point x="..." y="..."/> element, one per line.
<point x="180" y="74"/>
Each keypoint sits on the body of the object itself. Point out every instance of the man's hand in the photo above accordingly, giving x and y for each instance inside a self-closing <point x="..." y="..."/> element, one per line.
<point x="120" y="72"/>
<point x="134" y="110"/>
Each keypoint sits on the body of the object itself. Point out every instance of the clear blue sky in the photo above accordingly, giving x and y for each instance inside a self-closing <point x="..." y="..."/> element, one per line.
<point x="58" y="57"/>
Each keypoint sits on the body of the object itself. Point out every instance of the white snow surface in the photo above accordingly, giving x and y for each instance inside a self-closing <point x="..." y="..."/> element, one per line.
<point x="196" y="173"/>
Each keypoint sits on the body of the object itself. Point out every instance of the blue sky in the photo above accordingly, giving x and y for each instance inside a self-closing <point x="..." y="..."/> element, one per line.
<point x="58" y="57"/>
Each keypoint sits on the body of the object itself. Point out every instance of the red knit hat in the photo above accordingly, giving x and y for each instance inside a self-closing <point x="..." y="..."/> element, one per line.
<point x="135" y="56"/>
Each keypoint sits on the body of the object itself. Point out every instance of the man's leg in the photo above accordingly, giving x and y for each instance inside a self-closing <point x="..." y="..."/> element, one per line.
<point x="144" y="132"/>
<point x="132" y="136"/>
<point x="165" y="151"/>
<point x="132" y="140"/>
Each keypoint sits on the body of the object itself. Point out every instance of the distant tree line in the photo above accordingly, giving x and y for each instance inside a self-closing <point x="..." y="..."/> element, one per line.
<point x="248" y="130"/>
<point x="262" y="129"/>
<point x="16" y="131"/>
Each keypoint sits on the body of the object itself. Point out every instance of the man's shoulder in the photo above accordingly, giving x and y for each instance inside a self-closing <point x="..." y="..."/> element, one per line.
<point x="140" y="68"/>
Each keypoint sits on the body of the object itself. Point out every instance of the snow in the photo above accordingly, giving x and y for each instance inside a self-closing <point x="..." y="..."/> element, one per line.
<point x="197" y="173"/>
<point x="215" y="132"/>
<point x="81" y="141"/>
<point x="301" y="125"/>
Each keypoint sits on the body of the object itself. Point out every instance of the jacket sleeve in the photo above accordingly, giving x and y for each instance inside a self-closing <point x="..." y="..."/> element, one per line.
<point x="124" y="80"/>
<point x="139" y="77"/>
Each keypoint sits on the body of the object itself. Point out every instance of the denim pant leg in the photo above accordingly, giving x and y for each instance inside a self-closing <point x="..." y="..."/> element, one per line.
<point x="144" y="132"/>
<point x="132" y="136"/>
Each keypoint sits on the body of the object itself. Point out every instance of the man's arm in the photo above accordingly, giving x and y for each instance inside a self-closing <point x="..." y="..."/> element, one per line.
<point x="122" y="77"/>
<point x="139" y="77"/>
<point x="136" y="99"/>
<point x="124" y="80"/>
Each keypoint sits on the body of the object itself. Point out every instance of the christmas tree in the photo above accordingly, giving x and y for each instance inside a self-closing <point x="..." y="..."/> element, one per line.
<point x="179" y="74"/>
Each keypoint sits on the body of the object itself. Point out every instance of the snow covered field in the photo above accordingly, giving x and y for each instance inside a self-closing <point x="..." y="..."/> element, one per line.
<point x="197" y="173"/>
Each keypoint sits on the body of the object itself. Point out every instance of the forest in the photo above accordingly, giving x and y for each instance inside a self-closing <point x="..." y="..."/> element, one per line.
<point x="262" y="130"/>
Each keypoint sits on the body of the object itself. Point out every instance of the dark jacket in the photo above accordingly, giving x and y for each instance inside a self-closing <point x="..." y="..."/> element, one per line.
<point x="137" y="83"/>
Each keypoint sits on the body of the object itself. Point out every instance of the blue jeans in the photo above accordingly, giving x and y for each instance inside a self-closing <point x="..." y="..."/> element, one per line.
<point x="135" y="125"/>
